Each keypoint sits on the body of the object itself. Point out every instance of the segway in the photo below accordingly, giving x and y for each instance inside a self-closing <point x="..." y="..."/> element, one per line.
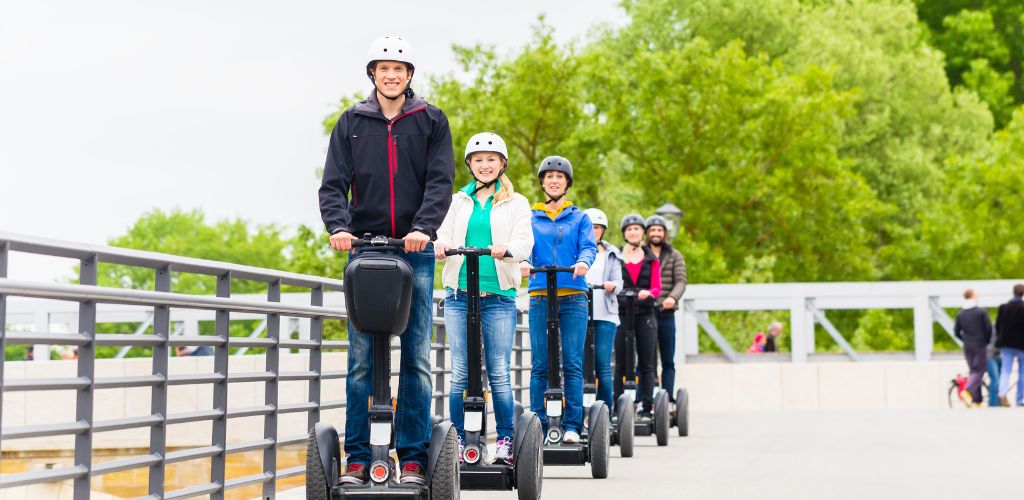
<point x="378" y="297"/>
<point x="527" y="471"/>
<point x="680" y="414"/>
<point x="595" y="434"/>
<point x="621" y="431"/>
<point x="644" y="426"/>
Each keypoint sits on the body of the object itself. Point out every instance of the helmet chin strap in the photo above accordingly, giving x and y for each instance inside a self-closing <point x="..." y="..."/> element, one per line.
<point x="485" y="185"/>
<point x="553" y="199"/>
<point x="408" y="92"/>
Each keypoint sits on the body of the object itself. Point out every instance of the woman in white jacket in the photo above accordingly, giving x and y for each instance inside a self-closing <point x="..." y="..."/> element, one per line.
<point x="486" y="213"/>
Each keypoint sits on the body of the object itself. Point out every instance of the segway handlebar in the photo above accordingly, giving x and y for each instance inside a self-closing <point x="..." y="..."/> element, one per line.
<point x="472" y="251"/>
<point x="552" y="269"/>
<point x="378" y="241"/>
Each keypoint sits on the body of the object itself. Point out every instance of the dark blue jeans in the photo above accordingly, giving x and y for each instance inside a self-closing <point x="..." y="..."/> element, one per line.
<point x="604" y="339"/>
<point x="498" y="325"/>
<point x="572" y="318"/>
<point x="412" y="418"/>
<point x="667" y="351"/>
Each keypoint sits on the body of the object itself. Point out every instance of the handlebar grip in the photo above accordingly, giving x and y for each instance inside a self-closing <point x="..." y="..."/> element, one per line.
<point x="378" y="241"/>
<point x="472" y="251"/>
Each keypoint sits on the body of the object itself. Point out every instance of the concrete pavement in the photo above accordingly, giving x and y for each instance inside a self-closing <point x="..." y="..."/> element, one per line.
<point x="952" y="454"/>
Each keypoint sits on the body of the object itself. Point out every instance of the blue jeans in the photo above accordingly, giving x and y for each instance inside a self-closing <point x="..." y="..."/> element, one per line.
<point x="412" y="418"/>
<point x="572" y="318"/>
<point x="1009" y="354"/>
<point x="604" y="338"/>
<point x="667" y="351"/>
<point x="498" y="322"/>
<point x="994" y="365"/>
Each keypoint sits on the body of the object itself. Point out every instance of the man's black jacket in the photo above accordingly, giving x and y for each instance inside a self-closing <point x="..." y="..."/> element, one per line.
<point x="388" y="177"/>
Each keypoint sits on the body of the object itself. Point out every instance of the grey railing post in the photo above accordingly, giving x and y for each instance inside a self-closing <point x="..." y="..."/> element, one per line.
<point x="270" y="391"/>
<point x="5" y="249"/>
<point x="316" y="334"/>
<point x="519" y="358"/>
<point x="220" y="390"/>
<point x="439" y="378"/>
<point x="158" y="399"/>
<point x="86" y="370"/>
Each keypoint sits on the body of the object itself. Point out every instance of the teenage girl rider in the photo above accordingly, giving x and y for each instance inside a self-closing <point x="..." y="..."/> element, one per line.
<point x="607" y="272"/>
<point x="641" y="271"/>
<point x="486" y="213"/>
<point x="563" y="236"/>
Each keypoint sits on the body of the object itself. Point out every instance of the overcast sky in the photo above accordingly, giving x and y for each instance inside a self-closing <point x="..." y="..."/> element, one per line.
<point x="109" y="109"/>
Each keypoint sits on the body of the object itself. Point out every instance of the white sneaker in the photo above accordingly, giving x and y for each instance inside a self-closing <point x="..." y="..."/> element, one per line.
<point x="504" y="451"/>
<point x="571" y="437"/>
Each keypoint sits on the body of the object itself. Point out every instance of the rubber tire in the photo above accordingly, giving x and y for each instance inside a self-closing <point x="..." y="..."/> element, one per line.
<point x="444" y="484"/>
<point x="599" y="438"/>
<point x="316" y="476"/>
<point x="517" y="411"/>
<point x="530" y="462"/>
<point x="626" y="430"/>
<point x="683" y="412"/>
<point x="661" y="419"/>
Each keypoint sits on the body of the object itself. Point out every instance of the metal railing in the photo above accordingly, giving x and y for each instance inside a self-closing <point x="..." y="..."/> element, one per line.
<point x="161" y="300"/>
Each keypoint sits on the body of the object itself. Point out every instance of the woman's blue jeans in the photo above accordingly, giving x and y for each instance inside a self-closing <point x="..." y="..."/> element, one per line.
<point x="572" y="318"/>
<point x="604" y="339"/>
<point x="498" y="325"/>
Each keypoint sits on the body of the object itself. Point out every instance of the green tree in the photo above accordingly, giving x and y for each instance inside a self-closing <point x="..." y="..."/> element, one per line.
<point x="984" y="47"/>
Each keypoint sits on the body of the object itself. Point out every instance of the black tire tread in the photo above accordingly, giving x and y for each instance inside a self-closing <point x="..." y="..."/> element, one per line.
<point x="316" y="476"/>
<point x="444" y="484"/>
<point x="661" y="420"/>
<point x="626" y="433"/>
<point x="599" y="438"/>
<point x="530" y="463"/>
<point x="683" y="413"/>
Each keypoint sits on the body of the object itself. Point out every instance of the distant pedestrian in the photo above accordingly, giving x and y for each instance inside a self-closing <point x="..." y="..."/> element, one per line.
<point x="201" y="350"/>
<point x="1010" y="341"/>
<point x="974" y="328"/>
<point x="995" y="364"/>
<point x="774" y="331"/>
<point x="759" y="343"/>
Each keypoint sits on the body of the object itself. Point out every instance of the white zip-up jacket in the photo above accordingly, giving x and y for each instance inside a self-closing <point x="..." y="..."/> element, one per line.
<point x="510" y="226"/>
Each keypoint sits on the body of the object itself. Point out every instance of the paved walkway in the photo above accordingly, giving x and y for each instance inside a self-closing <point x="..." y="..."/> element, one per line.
<point x="952" y="454"/>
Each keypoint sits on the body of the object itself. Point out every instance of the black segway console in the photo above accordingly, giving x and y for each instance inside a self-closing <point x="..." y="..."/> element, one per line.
<point x="378" y="297"/>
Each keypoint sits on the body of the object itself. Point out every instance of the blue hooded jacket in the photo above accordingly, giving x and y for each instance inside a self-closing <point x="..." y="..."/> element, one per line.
<point x="562" y="242"/>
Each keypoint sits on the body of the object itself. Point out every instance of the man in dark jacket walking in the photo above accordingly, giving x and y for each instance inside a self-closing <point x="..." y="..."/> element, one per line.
<point x="673" y="284"/>
<point x="1010" y="341"/>
<point x="974" y="328"/>
<point x="390" y="171"/>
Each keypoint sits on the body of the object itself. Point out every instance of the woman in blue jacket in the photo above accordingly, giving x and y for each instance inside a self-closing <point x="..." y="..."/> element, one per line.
<point x="563" y="236"/>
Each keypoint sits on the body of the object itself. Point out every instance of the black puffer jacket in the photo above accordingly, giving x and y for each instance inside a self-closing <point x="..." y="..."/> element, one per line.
<point x="388" y="177"/>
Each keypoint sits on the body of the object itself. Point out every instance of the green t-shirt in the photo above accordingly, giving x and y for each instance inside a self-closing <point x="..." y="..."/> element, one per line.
<point x="478" y="234"/>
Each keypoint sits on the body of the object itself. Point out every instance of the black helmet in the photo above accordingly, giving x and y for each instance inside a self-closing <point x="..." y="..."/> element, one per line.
<point x="657" y="220"/>
<point x="632" y="220"/>
<point x="555" y="164"/>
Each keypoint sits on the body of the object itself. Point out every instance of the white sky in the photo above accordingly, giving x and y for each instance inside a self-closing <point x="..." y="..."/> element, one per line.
<point x="111" y="108"/>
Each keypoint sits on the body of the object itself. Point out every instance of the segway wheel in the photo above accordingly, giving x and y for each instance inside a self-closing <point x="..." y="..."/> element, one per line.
<point x="530" y="462"/>
<point x="599" y="438"/>
<point x="317" y="485"/>
<point x="661" y="419"/>
<point x="683" y="412"/>
<point x="627" y="419"/>
<point x="444" y="484"/>
<point x="518" y="411"/>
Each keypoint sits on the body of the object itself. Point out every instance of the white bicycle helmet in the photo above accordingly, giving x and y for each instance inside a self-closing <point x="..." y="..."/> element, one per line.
<point x="390" y="48"/>
<point x="486" y="141"/>
<point x="597" y="216"/>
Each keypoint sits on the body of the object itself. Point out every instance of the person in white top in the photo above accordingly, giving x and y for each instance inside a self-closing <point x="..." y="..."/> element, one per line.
<point x="607" y="273"/>
<point x="486" y="213"/>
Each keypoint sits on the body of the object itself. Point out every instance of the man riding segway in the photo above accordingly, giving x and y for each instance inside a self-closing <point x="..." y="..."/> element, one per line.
<point x="389" y="173"/>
